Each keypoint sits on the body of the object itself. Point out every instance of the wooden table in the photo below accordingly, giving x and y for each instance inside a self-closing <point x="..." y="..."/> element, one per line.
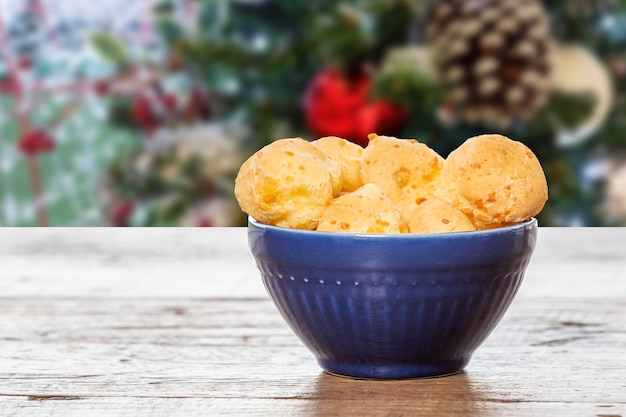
<point x="175" y="322"/>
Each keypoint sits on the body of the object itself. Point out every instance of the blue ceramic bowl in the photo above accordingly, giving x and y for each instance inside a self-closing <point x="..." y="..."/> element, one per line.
<point x="392" y="306"/>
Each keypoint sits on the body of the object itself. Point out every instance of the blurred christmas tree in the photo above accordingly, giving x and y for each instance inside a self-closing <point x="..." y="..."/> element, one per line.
<point x="254" y="63"/>
<point x="550" y="74"/>
<point x="258" y="58"/>
<point x="198" y="85"/>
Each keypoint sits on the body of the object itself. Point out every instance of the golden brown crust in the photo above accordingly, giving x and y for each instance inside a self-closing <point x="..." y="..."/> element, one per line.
<point x="489" y="181"/>
<point x="438" y="216"/>
<point x="288" y="183"/>
<point x="494" y="180"/>
<point x="348" y="155"/>
<point x="404" y="169"/>
<point x="366" y="210"/>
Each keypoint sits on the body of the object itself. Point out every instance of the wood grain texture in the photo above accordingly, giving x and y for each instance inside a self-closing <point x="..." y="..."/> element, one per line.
<point x="174" y="322"/>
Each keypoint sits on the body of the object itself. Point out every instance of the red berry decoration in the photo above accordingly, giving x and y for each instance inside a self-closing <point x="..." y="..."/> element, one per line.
<point x="102" y="87"/>
<point x="339" y="106"/>
<point x="10" y="85"/>
<point x="168" y="104"/>
<point x="119" y="214"/>
<point x="34" y="142"/>
<point x="25" y="63"/>
<point x="204" y="222"/>
<point x="143" y="114"/>
<point x="199" y="105"/>
<point x="151" y="109"/>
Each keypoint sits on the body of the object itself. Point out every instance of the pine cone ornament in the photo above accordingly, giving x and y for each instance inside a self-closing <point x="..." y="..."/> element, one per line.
<point x="493" y="57"/>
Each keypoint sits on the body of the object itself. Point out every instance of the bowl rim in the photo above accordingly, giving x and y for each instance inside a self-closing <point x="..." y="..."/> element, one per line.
<point x="530" y="223"/>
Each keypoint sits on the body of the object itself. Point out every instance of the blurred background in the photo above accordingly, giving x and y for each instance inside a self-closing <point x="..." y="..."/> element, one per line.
<point x="139" y="113"/>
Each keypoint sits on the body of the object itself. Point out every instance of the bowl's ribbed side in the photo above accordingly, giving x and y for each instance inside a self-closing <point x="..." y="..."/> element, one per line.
<point x="406" y="326"/>
<point x="392" y="307"/>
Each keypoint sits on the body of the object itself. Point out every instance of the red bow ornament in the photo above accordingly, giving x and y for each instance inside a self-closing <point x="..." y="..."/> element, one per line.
<point x="338" y="106"/>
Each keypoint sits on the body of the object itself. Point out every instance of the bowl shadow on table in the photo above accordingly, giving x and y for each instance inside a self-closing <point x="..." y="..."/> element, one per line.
<point x="341" y="396"/>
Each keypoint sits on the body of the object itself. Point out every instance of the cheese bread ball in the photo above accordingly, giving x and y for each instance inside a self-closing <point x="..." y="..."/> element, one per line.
<point x="404" y="169"/>
<point x="348" y="155"/>
<point x="287" y="183"/>
<point x="301" y="146"/>
<point x="494" y="180"/>
<point x="366" y="210"/>
<point x="438" y="216"/>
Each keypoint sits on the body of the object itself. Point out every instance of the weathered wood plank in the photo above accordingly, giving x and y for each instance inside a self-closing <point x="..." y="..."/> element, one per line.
<point x="216" y="262"/>
<point x="176" y="322"/>
<point x="420" y="405"/>
<point x="192" y="262"/>
<point x="549" y="353"/>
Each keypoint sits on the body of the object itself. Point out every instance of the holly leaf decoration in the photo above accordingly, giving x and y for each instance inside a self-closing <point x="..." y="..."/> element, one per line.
<point x="109" y="48"/>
